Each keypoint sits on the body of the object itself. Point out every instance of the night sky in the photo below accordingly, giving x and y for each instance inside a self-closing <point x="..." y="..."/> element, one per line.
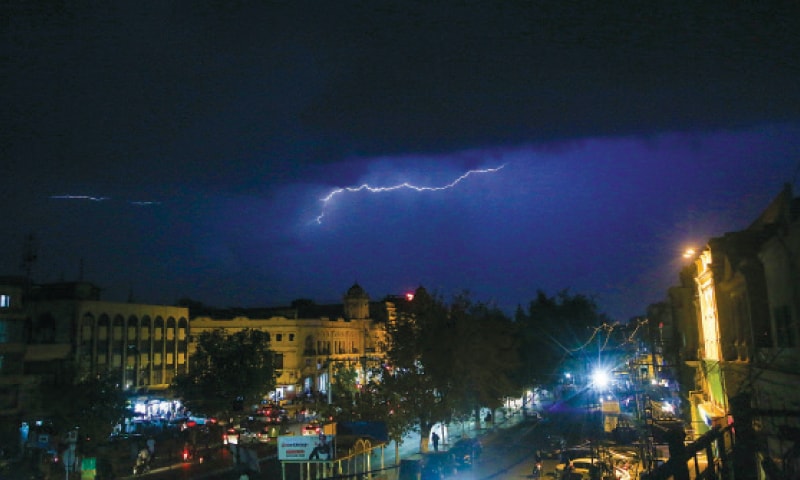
<point x="183" y="149"/>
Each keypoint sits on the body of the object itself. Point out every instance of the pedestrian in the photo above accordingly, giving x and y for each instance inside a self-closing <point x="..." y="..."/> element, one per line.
<point x="435" y="438"/>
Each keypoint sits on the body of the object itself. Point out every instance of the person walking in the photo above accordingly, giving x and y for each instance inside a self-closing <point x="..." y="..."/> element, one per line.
<point x="435" y="438"/>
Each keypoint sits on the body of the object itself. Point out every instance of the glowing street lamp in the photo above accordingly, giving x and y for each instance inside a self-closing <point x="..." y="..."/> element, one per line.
<point x="600" y="378"/>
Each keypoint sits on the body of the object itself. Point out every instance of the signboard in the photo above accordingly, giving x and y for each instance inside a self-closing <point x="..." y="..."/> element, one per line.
<point x="89" y="463"/>
<point x="318" y="448"/>
<point x="88" y="468"/>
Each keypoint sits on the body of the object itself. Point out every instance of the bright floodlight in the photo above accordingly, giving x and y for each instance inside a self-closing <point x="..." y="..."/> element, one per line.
<point x="600" y="378"/>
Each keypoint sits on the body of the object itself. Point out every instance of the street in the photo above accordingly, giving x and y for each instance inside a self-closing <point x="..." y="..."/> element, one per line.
<point x="509" y="451"/>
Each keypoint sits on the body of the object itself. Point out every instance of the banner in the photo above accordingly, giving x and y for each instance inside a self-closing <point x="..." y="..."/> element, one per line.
<point x="319" y="448"/>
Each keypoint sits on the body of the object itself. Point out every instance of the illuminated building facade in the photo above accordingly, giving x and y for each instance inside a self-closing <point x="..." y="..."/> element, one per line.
<point x="309" y="340"/>
<point x="737" y="308"/>
<point x="47" y="330"/>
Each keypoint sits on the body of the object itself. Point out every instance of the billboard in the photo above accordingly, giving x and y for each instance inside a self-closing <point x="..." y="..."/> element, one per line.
<point x="318" y="448"/>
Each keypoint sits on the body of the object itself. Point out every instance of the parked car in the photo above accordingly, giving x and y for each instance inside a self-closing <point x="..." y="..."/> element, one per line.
<point x="583" y="468"/>
<point x="465" y="452"/>
<point x="555" y="444"/>
<point x="438" y="466"/>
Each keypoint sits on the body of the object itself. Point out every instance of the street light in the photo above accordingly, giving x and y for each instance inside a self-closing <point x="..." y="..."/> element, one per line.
<point x="600" y="378"/>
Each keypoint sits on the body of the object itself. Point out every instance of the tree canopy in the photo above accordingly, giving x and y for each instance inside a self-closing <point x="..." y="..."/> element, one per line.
<point x="93" y="404"/>
<point x="553" y="330"/>
<point x="447" y="360"/>
<point x="228" y="372"/>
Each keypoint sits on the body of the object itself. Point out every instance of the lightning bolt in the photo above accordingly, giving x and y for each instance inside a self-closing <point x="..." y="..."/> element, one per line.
<point x="90" y="198"/>
<point x="405" y="185"/>
<point x="79" y="197"/>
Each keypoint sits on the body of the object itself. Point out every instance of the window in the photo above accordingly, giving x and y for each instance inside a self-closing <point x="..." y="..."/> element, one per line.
<point x="5" y="301"/>
<point x="291" y="337"/>
<point x="86" y="332"/>
<point x="278" y="361"/>
<point x="278" y="337"/>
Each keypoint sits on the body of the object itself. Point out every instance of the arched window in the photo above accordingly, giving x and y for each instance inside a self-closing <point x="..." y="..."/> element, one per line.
<point x="158" y="329"/>
<point x="133" y="329"/>
<point x="170" y="329"/>
<point x="145" y="332"/>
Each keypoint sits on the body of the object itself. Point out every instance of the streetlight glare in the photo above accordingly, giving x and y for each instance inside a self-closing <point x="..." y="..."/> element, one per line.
<point x="600" y="378"/>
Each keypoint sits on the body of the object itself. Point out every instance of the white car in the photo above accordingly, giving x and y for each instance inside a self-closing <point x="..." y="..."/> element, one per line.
<point x="581" y="468"/>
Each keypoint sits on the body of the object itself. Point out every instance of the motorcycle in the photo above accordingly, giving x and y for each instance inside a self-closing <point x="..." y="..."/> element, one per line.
<point x="141" y="467"/>
<point x="142" y="464"/>
<point x="537" y="470"/>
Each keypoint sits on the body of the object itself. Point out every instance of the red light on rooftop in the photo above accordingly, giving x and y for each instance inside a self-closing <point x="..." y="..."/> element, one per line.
<point x="409" y="296"/>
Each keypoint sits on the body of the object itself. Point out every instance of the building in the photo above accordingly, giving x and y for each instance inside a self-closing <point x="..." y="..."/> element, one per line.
<point x="736" y="311"/>
<point x="309" y="339"/>
<point x="47" y="331"/>
<point x="52" y="329"/>
<point x="15" y="327"/>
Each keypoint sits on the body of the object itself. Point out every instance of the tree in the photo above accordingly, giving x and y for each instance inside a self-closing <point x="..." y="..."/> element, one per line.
<point x="446" y="361"/>
<point x="553" y="330"/>
<point x="345" y="384"/>
<point x="228" y="372"/>
<point x="93" y="404"/>
<point x="484" y="356"/>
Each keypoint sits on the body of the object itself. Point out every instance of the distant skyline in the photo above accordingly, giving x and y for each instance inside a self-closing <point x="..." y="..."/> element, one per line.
<point x="186" y="150"/>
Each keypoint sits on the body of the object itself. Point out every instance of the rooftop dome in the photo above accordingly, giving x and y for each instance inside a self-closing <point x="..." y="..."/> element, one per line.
<point x="356" y="291"/>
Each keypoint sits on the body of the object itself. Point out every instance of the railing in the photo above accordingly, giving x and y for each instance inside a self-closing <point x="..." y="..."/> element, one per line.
<point x="710" y="457"/>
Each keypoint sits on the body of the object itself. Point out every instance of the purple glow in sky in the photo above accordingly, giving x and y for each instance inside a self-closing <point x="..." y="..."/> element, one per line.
<point x="609" y="141"/>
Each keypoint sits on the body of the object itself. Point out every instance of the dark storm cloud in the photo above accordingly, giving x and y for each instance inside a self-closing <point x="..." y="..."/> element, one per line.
<point x="214" y="129"/>
<point x="429" y="76"/>
<point x="168" y="85"/>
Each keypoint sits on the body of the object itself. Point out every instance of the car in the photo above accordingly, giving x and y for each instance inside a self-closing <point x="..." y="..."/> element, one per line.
<point x="582" y="468"/>
<point x="465" y="452"/>
<point x="312" y="429"/>
<point x="240" y="436"/>
<point x="437" y="466"/>
<point x="271" y="415"/>
<point x="577" y="451"/>
<point x="554" y="445"/>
